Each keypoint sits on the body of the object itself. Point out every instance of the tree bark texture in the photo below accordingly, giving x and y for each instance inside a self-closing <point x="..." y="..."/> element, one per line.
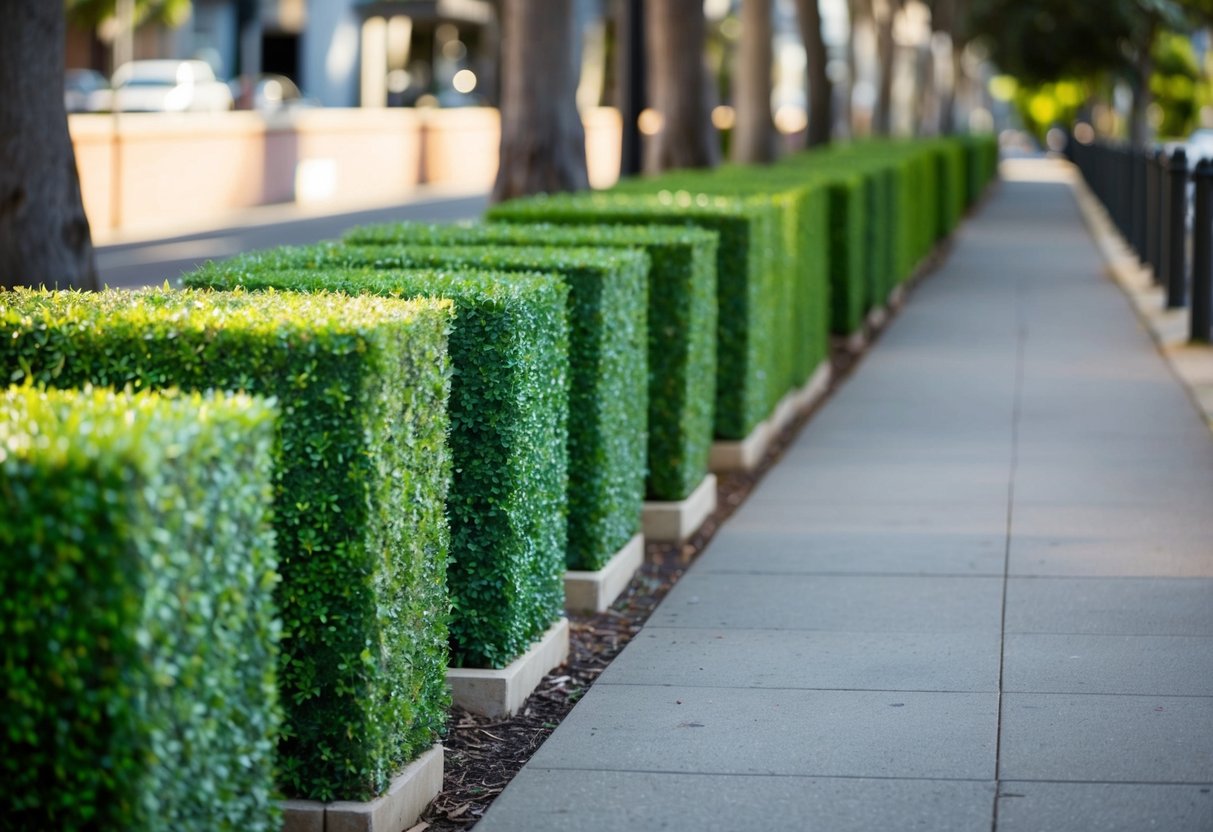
<point x="882" y="118"/>
<point x="1139" y="128"/>
<point x="44" y="234"/>
<point x="821" y="90"/>
<point x="754" y="130"/>
<point x="542" y="137"/>
<point x="678" y="86"/>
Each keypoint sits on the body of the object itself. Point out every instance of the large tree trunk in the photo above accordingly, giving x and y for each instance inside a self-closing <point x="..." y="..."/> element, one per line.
<point x="542" y="137"/>
<point x="821" y="91"/>
<point x="678" y="86"/>
<point x="44" y="235"/>
<point x="754" y="130"/>
<point x="882" y="118"/>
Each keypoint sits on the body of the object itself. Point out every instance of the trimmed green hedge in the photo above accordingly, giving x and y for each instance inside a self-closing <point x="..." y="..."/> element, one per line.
<point x="508" y="410"/>
<point x="681" y="325"/>
<point x="608" y="347"/>
<point x="137" y="631"/>
<point x="801" y="252"/>
<point x="747" y="283"/>
<point x="360" y="478"/>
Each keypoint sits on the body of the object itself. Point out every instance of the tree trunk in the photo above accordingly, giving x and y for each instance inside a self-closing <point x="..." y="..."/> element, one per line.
<point x="862" y="20"/>
<point x="1140" y="104"/>
<point x="821" y="91"/>
<point x="542" y="137"/>
<point x="882" y="119"/>
<point x="754" y="130"/>
<point x="44" y="235"/>
<point x="678" y="86"/>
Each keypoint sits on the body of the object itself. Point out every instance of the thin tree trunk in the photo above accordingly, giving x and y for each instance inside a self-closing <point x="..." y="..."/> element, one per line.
<point x="1140" y="103"/>
<point x="882" y="119"/>
<point x="821" y="91"/>
<point x="862" y="20"/>
<point x="542" y="137"/>
<point x="678" y="86"/>
<point x="754" y="130"/>
<point x="44" y="234"/>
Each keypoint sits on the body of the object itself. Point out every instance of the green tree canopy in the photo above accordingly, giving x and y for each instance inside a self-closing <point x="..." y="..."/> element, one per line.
<point x="89" y="14"/>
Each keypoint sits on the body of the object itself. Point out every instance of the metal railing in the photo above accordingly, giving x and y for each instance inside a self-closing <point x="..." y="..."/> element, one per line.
<point x="1162" y="207"/>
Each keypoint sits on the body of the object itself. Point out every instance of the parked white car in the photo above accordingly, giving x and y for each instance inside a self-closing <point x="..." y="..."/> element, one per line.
<point x="162" y="86"/>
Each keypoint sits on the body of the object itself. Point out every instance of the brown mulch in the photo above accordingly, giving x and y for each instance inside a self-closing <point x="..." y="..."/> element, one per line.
<point x="483" y="755"/>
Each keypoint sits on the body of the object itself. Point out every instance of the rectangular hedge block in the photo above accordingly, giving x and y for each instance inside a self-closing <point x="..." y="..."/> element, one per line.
<point x="508" y="439"/>
<point x="681" y="325"/>
<point x="608" y="368"/>
<point x="800" y="252"/>
<point x="361" y="469"/>
<point x="747" y="281"/>
<point x="137" y="631"/>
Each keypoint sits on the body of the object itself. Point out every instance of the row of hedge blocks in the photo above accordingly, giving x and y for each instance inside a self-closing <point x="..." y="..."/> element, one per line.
<point x="277" y="570"/>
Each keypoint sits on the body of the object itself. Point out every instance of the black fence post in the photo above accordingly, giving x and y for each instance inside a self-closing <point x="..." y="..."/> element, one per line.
<point x="1138" y="205"/>
<point x="1201" y="323"/>
<point x="1154" y="198"/>
<point x="1176" y="231"/>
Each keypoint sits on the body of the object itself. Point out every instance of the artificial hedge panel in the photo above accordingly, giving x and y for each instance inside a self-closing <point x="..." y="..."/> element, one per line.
<point x="747" y="282"/>
<point x="681" y="323"/>
<point x="137" y="631"/>
<point x="360" y="476"/>
<point x="608" y="368"/>
<point x="508" y="440"/>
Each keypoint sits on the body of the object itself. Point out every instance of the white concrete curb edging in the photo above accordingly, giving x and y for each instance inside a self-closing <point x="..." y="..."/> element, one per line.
<point x="398" y="808"/>
<point x="595" y="591"/>
<point x="495" y="693"/>
<point x="676" y="520"/>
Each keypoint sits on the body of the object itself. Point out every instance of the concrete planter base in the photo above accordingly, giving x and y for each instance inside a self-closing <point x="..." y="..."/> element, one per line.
<point x="897" y="297"/>
<point x="595" y="591"/>
<point x="856" y="342"/>
<point x="678" y="520"/>
<point x="746" y="454"/>
<point x="491" y="692"/>
<point x="740" y="454"/>
<point x="877" y="317"/>
<point x="399" y="808"/>
<point x="798" y="401"/>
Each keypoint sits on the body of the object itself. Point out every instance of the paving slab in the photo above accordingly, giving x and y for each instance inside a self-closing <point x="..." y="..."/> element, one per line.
<point x="1159" y="665"/>
<point x="843" y="603"/>
<point x="954" y="662"/>
<point x="1104" y="807"/>
<point x="554" y="800"/>
<point x="1097" y="738"/>
<point x="854" y="553"/>
<point x="1110" y="606"/>
<point x="792" y="732"/>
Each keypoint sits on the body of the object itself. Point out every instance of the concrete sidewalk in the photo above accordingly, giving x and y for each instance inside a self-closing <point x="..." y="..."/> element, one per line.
<point x="977" y="593"/>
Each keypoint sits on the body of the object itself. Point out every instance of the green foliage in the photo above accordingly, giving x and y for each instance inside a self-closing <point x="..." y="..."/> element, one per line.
<point x="90" y="14"/>
<point x="137" y="632"/>
<point x="508" y="439"/>
<point x="608" y="347"/>
<point x="747" y="283"/>
<point x="681" y="326"/>
<point x="798" y="251"/>
<point x="361" y="468"/>
<point x="1177" y="85"/>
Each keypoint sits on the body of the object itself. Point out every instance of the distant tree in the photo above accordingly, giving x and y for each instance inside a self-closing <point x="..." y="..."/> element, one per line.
<point x="754" y="130"/>
<point x="821" y="90"/>
<point x="1041" y="41"/>
<point x="89" y="14"/>
<point x="44" y="234"/>
<point x="885" y="13"/>
<point x="542" y="136"/>
<point x="679" y="88"/>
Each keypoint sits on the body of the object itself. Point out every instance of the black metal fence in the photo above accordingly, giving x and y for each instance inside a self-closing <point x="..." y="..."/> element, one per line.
<point x="1163" y="207"/>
